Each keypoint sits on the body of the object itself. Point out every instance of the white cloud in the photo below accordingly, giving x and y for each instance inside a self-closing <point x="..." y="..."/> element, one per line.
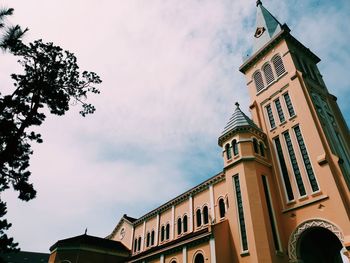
<point x="170" y="78"/>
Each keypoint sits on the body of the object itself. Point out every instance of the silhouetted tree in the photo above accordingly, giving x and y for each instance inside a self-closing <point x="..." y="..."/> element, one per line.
<point x="50" y="83"/>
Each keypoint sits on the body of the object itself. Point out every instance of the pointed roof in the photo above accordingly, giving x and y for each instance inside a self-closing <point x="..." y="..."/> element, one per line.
<point x="267" y="26"/>
<point x="237" y="121"/>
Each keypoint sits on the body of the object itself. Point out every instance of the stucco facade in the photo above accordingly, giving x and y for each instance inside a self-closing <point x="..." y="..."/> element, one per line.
<point x="283" y="194"/>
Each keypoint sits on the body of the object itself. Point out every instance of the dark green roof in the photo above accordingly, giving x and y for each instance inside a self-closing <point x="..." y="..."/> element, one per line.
<point x="25" y="256"/>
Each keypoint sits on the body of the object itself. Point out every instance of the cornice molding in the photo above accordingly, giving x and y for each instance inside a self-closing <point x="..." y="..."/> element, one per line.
<point x="183" y="197"/>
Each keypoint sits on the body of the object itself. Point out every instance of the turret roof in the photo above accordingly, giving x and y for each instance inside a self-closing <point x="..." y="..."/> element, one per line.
<point x="238" y="120"/>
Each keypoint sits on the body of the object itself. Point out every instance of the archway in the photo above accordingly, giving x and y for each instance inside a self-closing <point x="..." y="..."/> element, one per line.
<point x="316" y="240"/>
<point x="319" y="245"/>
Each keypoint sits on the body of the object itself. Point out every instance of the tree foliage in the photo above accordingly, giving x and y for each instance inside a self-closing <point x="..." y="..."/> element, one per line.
<point x="50" y="83"/>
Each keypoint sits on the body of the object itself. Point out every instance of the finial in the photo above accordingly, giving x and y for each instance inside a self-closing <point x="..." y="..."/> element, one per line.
<point x="258" y="2"/>
<point x="237" y="105"/>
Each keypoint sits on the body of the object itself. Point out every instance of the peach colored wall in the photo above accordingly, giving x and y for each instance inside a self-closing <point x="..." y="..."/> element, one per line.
<point x="220" y="191"/>
<point x="199" y="200"/>
<point x="203" y="248"/>
<point x="126" y="240"/>
<point x="180" y="210"/>
<point x="173" y="256"/>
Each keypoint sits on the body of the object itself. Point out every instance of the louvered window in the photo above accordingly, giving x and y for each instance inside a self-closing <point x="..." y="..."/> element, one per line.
<point x="270" y="116"/>
<point x="259" y="83"/>
<point x="289" y="105"/>
<point x="306" y="159"/>
<point x="280" y="111"/>
<point x="278" y="64"/>
<point x="268" y="74"/>
<point x="284" y="170"/>
<point x="295" y="165"/>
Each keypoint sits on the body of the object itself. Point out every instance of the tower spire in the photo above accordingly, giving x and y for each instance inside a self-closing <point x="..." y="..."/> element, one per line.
<point x="267" y="26"/>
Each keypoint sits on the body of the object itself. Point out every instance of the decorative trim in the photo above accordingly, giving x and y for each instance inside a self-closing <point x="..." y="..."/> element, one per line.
<point x="295" y="236"/>
<point x="183" y="197"/>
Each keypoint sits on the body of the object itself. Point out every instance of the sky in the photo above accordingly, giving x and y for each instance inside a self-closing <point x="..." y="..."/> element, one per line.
<point x="170" y="80"/>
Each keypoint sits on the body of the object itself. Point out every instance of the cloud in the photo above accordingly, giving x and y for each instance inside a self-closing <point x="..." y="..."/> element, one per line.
<point x="170" y="79"/>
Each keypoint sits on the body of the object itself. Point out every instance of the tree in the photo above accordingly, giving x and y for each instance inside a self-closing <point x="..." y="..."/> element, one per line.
<point x="50" y="82"/>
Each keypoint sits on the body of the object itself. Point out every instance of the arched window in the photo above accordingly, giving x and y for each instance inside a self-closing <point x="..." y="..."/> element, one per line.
<point x="255" y="145"/>
<point x="148" y="239"/>
<point x="152" y="238"/>
<point x="267" y="69"/>
<point x="258" y="80"/>
<point x="199" y="258"/>
<point x="205" y="215"/>
<point x="139" y="244"/>
<point x="222" y="207"/>
<point x="199" y="218"/>
<point x="162" y="233"/>
<point x="235" y="147"/>
<point x="184" y="222"/>
<point x="135" y="245"/>
<point x="278" y="64"/>
<point x="179" y="226"/>
<point x="167" y="231"/>
<point x="262" y="149"/>
<point x="228" y="151"/>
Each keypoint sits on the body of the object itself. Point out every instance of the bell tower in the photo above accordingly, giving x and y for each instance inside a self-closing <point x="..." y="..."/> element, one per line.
<point x="305" y="131"/>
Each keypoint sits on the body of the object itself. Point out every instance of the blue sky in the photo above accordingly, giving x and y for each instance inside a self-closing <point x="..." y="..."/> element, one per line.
<point x="170" y="79"/>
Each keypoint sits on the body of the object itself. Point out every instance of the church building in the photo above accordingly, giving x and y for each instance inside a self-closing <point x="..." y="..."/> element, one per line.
<point x="283" y="194"/>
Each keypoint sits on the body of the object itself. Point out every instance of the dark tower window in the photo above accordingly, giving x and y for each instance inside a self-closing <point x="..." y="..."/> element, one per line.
<point x="139" y="244"/>
<point x="284" y="170"/>
<point x="205" y="215"/>
<point x="278" y="64"/>
<point x="228" y="151"/>
<point x="135" y="245"/>
<point x="179" y="226"/>
<point x="162" y="233"/>
<point x="235" y="147"/>
<point x="306" y="159"/>
<point x="148" y="239"/>
<point x="152" y="238"/>
<point x="295" y="165"/>
<point x="262" y="149"/>
<point x="270" y="116"/>
<point x="199" y="217"/>
<point x="267" y="69"/>
<point x="271" y="215"/>
<point x="184" y="222"/>
<point x="167" y="232"/>
<point x="255" y="145"/>
<point x="222" y="208"/>
<point x="258" y="80"/>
